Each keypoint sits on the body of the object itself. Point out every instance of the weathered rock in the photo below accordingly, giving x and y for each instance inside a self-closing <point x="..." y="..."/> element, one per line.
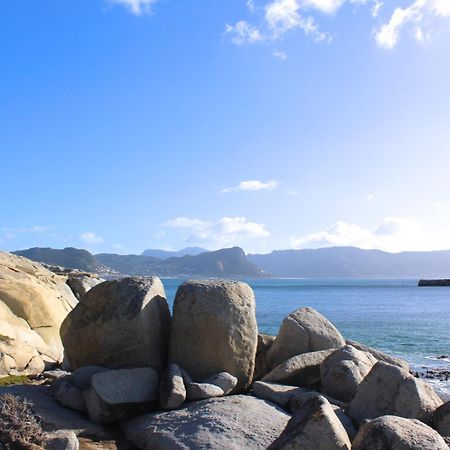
<point x="122" y="393"/>
<point x="214" y="330"/>
<point x="172" y="389"/>
<point x="297" y="401"/>
<point x="234" y="423"/>
<point x="262" y="366"/>
<point x="122" y="323"/>
<point x="202" y="391"/>
<point x="388" y="389"/>
<point x="315" y="426"/>
<point x="53" y="415"/>
<point x="55" y="374"/>
<point x="300" y="370"/>
<point x="342" y="372"/>
<point x="81" y="283"/>
<point x="380" y="356"/>
<point x="397" y="433"/>
<point x="276" y="393"/>
<point x="81" y="378"/>
<point x="441" y="419"/>
<point x="303" y="331"/>
<point x="224" y="380"/>
<point x="69" y="395"/>
<point x="62" y="440"/>
<point x="33" y="304"/>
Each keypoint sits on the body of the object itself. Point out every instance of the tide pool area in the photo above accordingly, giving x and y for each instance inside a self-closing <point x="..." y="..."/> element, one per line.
<point x="395" y="316"/>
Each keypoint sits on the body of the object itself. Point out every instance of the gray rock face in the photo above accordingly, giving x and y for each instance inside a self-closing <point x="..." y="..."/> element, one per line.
<point x="69" y="395"/>
<point x="82" y="283"/>
<point x="202" y="391"/>
<point x="441" y="419"/>
<point x="276" y="393"/>
<point x="303" y="331"/>
<point x="224" y="380"/>
<point x="315" y="426"/>
<point x="62" y="440"/>
<point x="380" y="356"/>
<point x="262" y="366"/>
<point x="390" y="390"/>
<point x="120" y="394"/>
<point x="300" y="398"/>
<point x="397" y="433"/>
<point x="233" y="423"/>
<point x="122" y="323"/>
<point x="214" y="330"/>
<point x="172" y="389"/>
<point x="342" y="372"/>
<point x="53" y="415"/>
<point x="300" y="370"/>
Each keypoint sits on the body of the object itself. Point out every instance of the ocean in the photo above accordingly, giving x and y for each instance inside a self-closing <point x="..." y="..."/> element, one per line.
<point x="395" y="316"/>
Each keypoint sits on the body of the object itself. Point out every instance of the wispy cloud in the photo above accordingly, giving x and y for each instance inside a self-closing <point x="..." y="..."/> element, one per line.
<point x="419" y="17"/>
<point x="243" y="33"/>
<point x="393" y="234"/>
<point x="369" y="197"/>
<point x="137" y="7"/>
<point x="90" y="237"/>
<point x="12" y="233"/>
<point x="251" y="185"/>
<point x="282" y="56"/>
<point x="227" y="231"/>
<point x="278" y="17"/>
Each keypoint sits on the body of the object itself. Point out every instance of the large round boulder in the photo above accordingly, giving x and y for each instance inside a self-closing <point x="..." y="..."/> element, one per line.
<point x="390" y="390"/>
<point x="214" y="330"/>
<point x="121" y="323"/>
<point x="235" y="422"/>
<point x="33" y="304"/>
<point x="342" y="372"/>
<point x="397" y="433"/>
<point x="304" y="330"/>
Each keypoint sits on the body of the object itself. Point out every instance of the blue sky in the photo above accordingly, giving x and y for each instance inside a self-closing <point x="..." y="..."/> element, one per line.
<point x="268" y="124"/>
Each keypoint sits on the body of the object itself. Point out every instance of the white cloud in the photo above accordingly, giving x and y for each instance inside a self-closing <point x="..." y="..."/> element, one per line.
<point x="251" y="6"/>
<point x="369" y="197"/>
<point x="277" y="17"/>
<point x="419" y="14"/>
<point x="252" y="185"/>
<point x="137" y="7"/>
<point x="394" y="234"/>
<point x="282" y="56"/>
<point x="227" y="231"/>
<point x="89" y="237"/>
<point x="326" y="6"/>
<point x="243" y="33"/>
<point x="186" y="222"/>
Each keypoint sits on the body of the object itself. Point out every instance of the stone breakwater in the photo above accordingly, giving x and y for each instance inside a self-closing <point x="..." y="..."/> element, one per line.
<point x="204" y="378"/>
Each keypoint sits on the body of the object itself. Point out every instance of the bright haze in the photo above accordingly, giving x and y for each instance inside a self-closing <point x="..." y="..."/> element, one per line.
<point x="267" y="124"/>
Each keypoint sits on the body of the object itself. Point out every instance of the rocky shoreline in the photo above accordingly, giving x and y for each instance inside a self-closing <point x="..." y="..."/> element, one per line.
<point x="133" y="375"/>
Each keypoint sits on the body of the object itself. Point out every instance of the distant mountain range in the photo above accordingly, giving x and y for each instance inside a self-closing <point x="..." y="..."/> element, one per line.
<point x="166" y="254"/>
<point x="347" y="262"/>
<point x="335" y="262"/>
<point x="226" y="263"/>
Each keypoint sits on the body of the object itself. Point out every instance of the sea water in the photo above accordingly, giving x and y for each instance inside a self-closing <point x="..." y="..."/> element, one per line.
<point x="395" y="316"/>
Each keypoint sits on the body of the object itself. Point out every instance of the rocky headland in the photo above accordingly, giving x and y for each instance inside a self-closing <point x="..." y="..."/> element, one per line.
<point x="108" y="366"/>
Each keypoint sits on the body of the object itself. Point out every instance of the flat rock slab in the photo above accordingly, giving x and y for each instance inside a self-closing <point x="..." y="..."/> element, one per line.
<point x="54" y="416"/>
<point x="234" y="423"/>
<point x="300" y="370"/>
<point x="276" y="393"/>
